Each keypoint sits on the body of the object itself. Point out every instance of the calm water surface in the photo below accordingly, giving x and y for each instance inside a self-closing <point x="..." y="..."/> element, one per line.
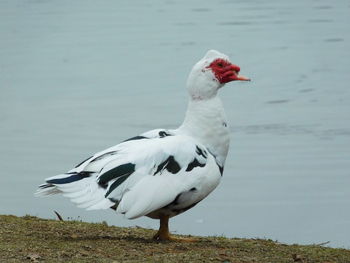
<point x="77" y="77"/>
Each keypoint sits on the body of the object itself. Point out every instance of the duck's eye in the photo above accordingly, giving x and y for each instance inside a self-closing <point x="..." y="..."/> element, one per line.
<point x="220" y="65"/>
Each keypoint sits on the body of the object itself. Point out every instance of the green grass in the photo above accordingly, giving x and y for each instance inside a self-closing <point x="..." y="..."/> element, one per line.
<point x="32" y="239"/>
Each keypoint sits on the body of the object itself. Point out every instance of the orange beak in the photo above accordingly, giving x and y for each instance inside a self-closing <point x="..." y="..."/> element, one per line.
<point x="240" y="77"/>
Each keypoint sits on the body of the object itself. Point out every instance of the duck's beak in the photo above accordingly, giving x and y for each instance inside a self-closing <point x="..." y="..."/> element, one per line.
<point x="236" y="69"/>
<point x="240" y="77"/>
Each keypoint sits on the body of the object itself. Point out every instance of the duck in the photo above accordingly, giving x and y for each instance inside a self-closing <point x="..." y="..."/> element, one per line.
<point x="160" y="173"/>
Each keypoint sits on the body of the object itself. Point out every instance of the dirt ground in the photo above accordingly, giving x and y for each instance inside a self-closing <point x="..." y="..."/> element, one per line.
<point x="32" y="239"/>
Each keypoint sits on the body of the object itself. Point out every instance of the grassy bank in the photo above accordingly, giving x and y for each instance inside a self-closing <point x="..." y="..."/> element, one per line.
<point x="32" y="239"/>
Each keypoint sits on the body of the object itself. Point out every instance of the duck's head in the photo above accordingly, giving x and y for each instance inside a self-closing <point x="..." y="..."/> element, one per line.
<point x="210" y="73"/>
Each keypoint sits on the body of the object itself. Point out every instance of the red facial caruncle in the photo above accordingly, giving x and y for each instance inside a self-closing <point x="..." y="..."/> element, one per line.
<point x="225" y="71"/>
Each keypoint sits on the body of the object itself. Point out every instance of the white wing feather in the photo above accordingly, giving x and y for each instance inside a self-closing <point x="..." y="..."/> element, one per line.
<point x="150" y="186"/>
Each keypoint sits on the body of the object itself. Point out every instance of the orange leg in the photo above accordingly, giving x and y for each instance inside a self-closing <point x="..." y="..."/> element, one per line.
<point x="163" y="232"/>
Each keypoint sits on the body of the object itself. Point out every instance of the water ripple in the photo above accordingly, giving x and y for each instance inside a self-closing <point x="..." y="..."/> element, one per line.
<point x="285" y="129"/>
<point x="236" y="23"/>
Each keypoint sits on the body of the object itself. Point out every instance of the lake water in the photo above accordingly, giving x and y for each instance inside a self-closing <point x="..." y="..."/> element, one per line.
<point x="79" y="76"/>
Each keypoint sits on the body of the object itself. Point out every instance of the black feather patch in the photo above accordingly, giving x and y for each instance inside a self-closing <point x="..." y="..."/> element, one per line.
<point x="194" y="164"/>
<point x="201" y="152"/>
<point x="123" y="170"/>
<point x="170" y="164"/>
<point x="82" y="162"/>
<point x="163" y="134"/>
<point x="116" y="203"/>
<point x="115" y="206"/>
<point x="136" y="138"/>
<point x="117" y="182"/>
<point x="72" y="177"/>
<point x="221" y="168"/>
<point x="44" y="186"/>
<point x="103" y="156"/>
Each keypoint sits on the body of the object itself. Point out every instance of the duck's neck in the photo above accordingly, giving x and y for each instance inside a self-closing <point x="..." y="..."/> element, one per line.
<point x="205" y="121"/>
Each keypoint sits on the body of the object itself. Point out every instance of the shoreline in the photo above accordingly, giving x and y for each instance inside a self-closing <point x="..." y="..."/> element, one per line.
<point x="32" y="239"/>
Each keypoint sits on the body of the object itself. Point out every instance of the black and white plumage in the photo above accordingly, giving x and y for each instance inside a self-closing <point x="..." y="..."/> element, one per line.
<point x="160" y="173"/>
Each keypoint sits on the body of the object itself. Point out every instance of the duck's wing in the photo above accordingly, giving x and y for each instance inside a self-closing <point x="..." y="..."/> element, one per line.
<point x="139" y="175"/>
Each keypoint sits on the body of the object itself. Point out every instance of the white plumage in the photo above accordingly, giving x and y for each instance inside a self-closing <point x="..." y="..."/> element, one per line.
<point x="160" y="173"/>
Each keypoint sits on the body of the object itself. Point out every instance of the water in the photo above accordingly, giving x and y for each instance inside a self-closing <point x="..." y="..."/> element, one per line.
<point x="77" y="77"/>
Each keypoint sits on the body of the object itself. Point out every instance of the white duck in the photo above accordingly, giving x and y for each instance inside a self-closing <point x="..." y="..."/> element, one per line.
<point x="160" y="173"/>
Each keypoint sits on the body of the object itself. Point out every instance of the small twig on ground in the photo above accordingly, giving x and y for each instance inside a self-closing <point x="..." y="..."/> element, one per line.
<point x="58" y="215"/>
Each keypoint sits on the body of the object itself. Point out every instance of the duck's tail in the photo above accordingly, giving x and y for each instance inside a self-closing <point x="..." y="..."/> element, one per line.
<point x="81" y="188"/>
